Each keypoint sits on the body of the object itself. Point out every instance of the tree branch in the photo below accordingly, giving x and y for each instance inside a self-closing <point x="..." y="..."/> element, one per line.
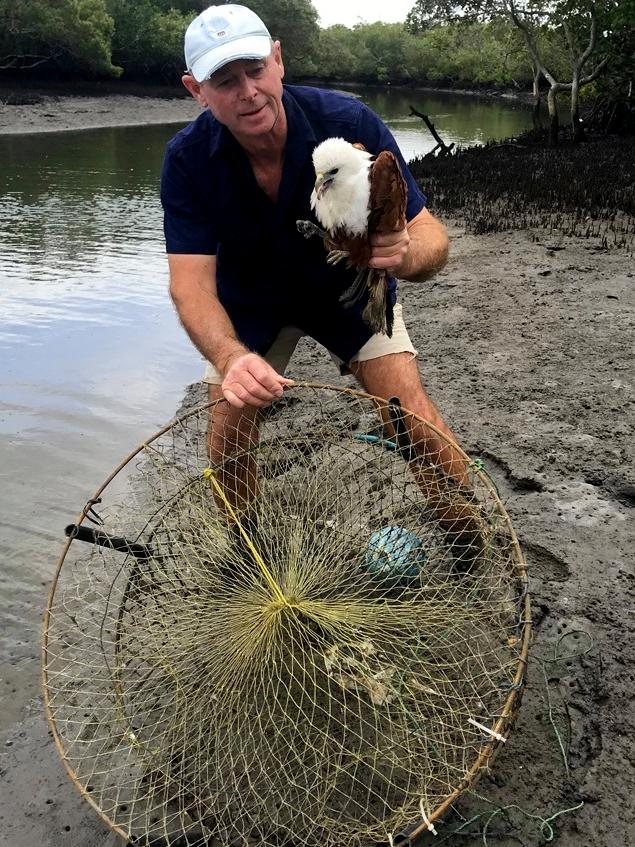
<point x="592" y="39"/>
<point x="10" y="62"/>
<point x="440" y="142"/>
<point x="596" y="72"/>
<point x="512" y="12"/>
<point x="569" y="36"/>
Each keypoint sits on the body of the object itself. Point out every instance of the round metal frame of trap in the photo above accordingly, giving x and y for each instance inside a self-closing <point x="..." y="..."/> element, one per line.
<point x="69" y="732"/>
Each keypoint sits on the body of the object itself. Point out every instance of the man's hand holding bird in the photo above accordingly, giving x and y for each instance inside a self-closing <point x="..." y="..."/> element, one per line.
<point x="389" y="251"/>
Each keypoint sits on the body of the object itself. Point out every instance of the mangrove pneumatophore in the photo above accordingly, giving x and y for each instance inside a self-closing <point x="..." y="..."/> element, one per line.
<point x="582" y="191"/>
<point x="331" y="659"/>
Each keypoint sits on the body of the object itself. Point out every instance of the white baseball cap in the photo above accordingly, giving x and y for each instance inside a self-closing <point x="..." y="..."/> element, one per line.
<point x="222" y="34"/>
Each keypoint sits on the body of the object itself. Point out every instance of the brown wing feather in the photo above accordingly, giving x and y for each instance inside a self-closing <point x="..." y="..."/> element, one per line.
<point x="388" y="194"/>
<point x="387" y="204"/>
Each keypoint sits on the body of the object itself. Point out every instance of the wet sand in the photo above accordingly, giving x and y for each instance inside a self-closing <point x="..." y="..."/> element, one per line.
<point x="525" y="343"/>
<point x="59" y="112"/>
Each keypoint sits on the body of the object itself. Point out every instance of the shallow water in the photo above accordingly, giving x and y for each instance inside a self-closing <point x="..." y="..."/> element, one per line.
<point x="93" y="359"/>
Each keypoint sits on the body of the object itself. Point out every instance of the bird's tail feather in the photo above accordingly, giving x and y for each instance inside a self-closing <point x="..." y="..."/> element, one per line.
<point x="390" y="313"/>
<point x="355" y="291"/>
<point x="378" y="312"/>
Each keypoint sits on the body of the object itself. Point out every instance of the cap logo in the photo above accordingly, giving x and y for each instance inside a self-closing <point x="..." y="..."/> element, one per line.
<point x="221" y="33"/>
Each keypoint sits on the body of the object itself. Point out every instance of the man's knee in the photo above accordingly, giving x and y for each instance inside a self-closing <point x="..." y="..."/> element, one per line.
<point x="394" y="373"/>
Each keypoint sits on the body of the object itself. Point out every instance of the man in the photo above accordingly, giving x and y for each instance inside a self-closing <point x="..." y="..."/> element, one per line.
<point x="245" y="283"/>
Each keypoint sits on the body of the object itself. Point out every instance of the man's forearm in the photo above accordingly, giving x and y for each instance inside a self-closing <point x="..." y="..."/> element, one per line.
<point x="427" y="251"/>
<point x="206" y="321"/>
<point x="247" y="378"/>
<point x="211" y="331"/>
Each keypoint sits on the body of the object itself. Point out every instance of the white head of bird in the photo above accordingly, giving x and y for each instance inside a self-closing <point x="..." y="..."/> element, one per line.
<point x="342" y="186"/>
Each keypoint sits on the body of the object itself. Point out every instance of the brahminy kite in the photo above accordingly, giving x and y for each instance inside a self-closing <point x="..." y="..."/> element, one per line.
<point x="356" y="195"/>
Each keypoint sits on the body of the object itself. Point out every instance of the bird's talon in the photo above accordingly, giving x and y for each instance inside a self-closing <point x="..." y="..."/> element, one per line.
<point x="309" y="229"/>
<point x="336" y="256"/>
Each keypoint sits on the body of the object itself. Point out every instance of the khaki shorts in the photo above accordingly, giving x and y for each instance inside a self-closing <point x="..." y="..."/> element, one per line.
<point x="282" y="348"/>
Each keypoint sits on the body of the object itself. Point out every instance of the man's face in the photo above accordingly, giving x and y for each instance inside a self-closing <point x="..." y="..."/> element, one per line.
<point x="246" y="95"/>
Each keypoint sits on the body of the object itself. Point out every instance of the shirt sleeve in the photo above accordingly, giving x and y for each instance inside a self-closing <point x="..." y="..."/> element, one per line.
<point x="187" y="224"/>
<point x="375" y="136"/>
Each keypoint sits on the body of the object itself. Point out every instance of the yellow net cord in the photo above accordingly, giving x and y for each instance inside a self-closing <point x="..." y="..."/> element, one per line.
<point x="210" y="475"/>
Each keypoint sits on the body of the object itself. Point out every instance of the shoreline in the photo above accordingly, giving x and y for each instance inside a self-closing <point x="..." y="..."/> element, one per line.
<point x="524" y="339"/>
<point x="75" y="112"/>
<point x="33" y="109"/>
<point x="522" y="98"/>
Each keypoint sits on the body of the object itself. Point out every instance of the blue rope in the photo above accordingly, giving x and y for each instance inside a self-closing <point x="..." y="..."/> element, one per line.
<point x="375" y="439"/>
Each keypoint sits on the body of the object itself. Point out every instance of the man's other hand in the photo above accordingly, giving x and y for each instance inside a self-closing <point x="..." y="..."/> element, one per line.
<point x="250" y="381"/>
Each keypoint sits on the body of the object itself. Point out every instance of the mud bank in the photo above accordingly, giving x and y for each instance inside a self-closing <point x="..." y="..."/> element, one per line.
<point x="31" y="112"/>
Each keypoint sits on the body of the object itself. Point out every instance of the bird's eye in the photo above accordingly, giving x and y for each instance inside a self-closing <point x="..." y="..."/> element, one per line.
<point x="335" y="170"/>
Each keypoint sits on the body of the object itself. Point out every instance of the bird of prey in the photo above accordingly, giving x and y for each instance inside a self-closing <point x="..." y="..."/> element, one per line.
<point x="356" y="195"/>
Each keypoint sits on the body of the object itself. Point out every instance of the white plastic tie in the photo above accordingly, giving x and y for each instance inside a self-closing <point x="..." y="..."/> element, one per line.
<point x="487" y="730"/>
<point x="426" y="819"/>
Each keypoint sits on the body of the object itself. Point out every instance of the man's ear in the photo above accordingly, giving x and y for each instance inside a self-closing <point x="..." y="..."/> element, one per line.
<point x="277" y="57"/>
<point x="194" y="88"/>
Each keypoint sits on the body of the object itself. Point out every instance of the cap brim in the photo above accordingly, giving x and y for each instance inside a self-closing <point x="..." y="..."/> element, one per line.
<point x="251" y="47"/>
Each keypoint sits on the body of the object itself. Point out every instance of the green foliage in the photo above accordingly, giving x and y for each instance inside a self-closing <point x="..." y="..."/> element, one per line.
<point x="462" y="52"/>
<point x="143" y="37"/>
<point x="426" y="14"/>
<point x="386" y="43"/>
<point x="442" y="40"/>
<point x="73" y="34"/>
<point x="617" y="20"/>
<point x="368" y="52"/>
<point x="294" y="23"/>
<point x="574" y="43"/>
<point x="548" y="21"/>
<point x="148" y="39"/>
<point x="338" y="54"/>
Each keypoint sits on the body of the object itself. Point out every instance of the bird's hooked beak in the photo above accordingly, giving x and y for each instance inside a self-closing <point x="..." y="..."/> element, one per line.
<point x="322" y="182"/>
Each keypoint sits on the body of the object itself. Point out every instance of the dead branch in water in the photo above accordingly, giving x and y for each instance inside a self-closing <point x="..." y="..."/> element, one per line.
<point x="444" y="149"/>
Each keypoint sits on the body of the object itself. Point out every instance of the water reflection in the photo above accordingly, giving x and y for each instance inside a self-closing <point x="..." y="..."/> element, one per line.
<point x="74" y="197"/>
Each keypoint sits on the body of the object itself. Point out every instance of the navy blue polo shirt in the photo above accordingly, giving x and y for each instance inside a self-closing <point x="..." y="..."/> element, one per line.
<point x="268" y="275"/>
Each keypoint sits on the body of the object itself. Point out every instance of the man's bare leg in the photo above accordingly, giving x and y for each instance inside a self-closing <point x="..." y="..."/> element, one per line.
<point x="231" y="431"/>
<point x="397" y="375"/>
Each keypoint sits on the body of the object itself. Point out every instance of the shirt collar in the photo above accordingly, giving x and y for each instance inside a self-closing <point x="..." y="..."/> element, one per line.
<point x="299" y="130"/>
<point x="220" y="138"/>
